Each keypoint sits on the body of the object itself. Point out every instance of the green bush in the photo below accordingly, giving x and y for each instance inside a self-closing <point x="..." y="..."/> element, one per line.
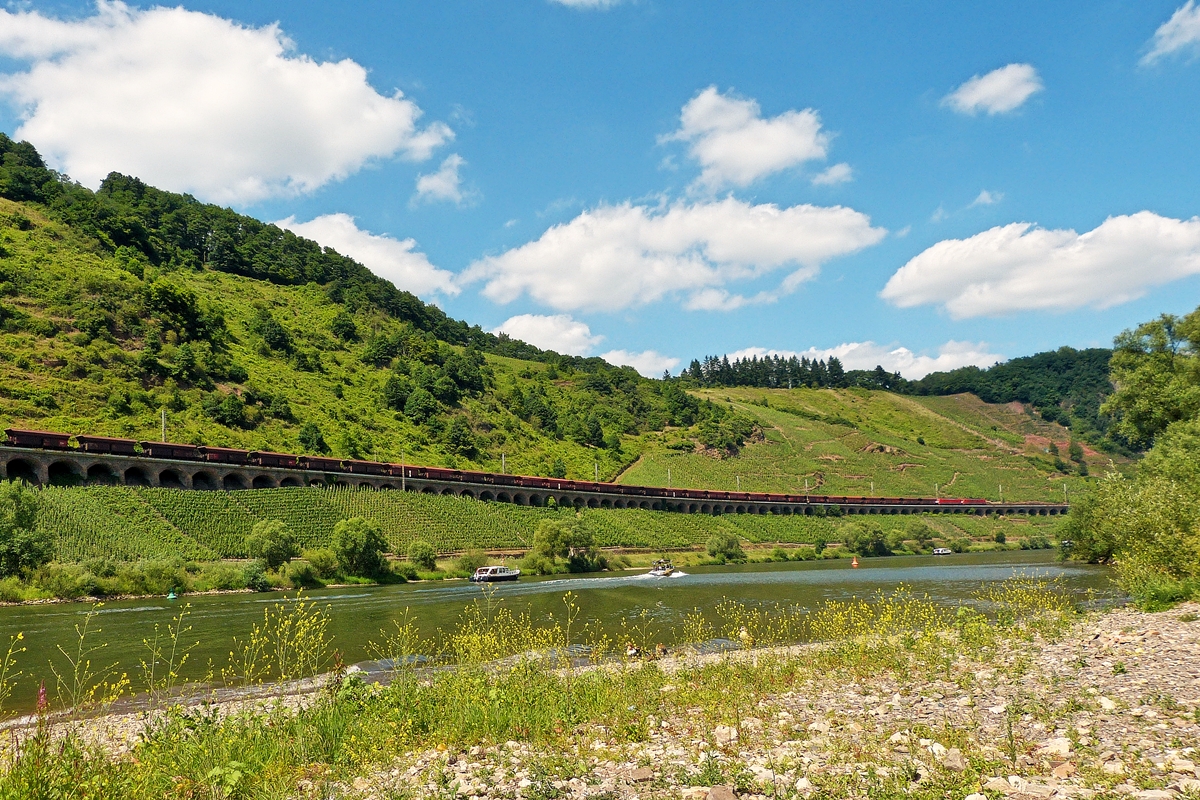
<point x="725" y="546"/>
<point x="405" y="569"/>
<point x="423" y="555"/>
<point x="865" y="539"/>
<point x="219" y="575"/>
<point x="273" y="542"/>
<point x="470" y="561"/>
<point x="255" y="577"/>
<point x="323" y="560"/>
<point x="359" y="546"/>
<point x="23" y="548"/>
<point x="303" y="575"/>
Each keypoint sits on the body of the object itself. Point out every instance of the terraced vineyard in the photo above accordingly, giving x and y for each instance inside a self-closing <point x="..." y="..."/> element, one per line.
<point x="130" y="523"/>
<point x="859" y="442"/>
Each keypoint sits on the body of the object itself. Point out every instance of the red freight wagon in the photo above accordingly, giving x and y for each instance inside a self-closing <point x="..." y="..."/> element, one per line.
<point x="44" y="439"/>
<point x="185" y="452"/>
<point x="105" y="444"/>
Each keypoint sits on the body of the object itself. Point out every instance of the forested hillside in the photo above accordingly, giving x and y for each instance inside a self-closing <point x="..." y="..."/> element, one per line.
<point x="118" y="304"/>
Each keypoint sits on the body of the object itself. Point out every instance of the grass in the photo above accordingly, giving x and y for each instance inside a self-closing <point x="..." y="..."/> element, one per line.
<point x="506" y="683"/>
<point x="841" y="442"/>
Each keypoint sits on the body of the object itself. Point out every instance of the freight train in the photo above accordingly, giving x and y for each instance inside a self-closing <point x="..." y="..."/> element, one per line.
<point x="47" y="440"/>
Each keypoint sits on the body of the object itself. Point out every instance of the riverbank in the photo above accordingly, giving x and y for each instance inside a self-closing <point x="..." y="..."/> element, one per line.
<point x="1104" y="703"/>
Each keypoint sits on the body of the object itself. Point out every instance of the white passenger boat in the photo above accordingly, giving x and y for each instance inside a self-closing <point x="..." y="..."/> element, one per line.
<point x="494" y="574"/>
<point x="942" y="551"/>
<point x="662" y="569"/>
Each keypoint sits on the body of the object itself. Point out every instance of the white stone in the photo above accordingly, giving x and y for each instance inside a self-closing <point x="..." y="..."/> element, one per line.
<point x="724" y="735"/>
<point x="1107" y="704"/>
<point x="1060" y="746"/>
<point x="804" y="786"/>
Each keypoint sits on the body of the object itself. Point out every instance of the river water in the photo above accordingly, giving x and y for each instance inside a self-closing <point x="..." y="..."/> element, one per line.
<point x="358" y="614"/>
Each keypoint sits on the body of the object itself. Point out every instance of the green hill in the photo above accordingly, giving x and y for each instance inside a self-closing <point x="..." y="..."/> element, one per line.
<point x="122" y="304"/>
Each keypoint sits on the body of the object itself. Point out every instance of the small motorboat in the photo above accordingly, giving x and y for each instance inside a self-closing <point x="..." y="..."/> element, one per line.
<point x="942" y="551"/>
<point x="662" y="568"/>
<point x="495" y="574"/>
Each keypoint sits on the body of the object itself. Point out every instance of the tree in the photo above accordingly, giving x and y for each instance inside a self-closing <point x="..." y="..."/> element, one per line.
<point x="396" y="390"/>
<point x="423" y="555"/>
<point x="919" y="530"/>
<point x="22" y="547"/>
<point x="343" y="326"/>
<point x="273" y="542"/>
<point x="562" y="539"/>
<point x="726" y="547"/>
<point x="311" y="438"/>
<point x="459" y="438"/>
<point x="359" y="546"/>
<point x="420" y="406"/>
<point x="866" y="539"/>
<point x="1075" y="452"/>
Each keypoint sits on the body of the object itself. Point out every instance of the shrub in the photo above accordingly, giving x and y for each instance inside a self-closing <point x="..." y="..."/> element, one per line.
<point x="359" y="546"/>
<point x="726" y="546"/>
<point x="423" y="555"/>
<point x="219" y="575"/>
<point x="470" y="561"/>
<point x="406" y="570"/>
<point x="273" y="542"/>
<point x="865" y="539"/>
<point x="303" y="575"/>
<point x="255" y="577"/>
<point x="323" y="560"/>
<point x="919" y="531"/>
<point x="22" y="547"/>
<point x="1000" y="538"/>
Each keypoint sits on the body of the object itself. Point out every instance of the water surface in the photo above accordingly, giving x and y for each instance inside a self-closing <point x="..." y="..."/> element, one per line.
<point x="606" y="600"/>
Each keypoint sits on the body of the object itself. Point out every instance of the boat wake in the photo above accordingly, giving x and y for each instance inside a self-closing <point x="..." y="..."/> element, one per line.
<point x="646" y="576"/>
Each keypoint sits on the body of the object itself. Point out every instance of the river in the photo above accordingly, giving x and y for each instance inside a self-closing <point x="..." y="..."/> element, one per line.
<point x="605" y="600"/>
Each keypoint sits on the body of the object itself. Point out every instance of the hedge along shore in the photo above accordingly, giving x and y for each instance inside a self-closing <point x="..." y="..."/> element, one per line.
<point x="1110" y="708"/>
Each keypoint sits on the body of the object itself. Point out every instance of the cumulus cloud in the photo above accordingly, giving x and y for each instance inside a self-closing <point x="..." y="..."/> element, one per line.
<point x="443" y="185"/>
<point x="735" y="146"/>
<point x="617" y="256"/>
<point x="193" y="102"/>
<point x="560" y="333"/>
<point x="1180" y="33"/>
<point x="893" y="358"/>
<point x="392" y="259"/>
<point x="987" y="198"/>
<point x="1021" y="267"/>
<point x="999" y="91"/>
<point x="838" y="173"/>
<point x="648" y="362"/>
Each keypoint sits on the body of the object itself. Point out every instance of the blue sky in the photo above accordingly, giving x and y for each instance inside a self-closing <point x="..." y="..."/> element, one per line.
<point x="657" y="180"/>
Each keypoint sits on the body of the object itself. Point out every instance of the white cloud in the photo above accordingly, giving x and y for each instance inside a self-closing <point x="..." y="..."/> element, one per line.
<point x="838" y="173"/>
<point x="1180" y="32"/>
<point x="999" y="91"/>
<point x="445" y="184"/>
<point x="868" y="355"/>
<point x="560" y="333"/>
<point x="392" y="259"/>
<point x="193" y="102"/>
<point x="1020" y="267"/>
<point x="617" y="256"/>
<point x="648" y="363"/>
<point x="736" y="146"/>
<point x="987" y="198"/>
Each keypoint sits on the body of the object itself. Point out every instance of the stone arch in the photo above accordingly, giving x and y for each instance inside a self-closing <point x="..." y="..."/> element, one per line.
<point x="467" y="493"/>
<point x="365" y="485"/>
<point x="102" y="474"/>
<point x="263" y="482"/>
<point x="448" y="491"/>
<point x="290" y="481"/>
<point x="606" y="503"/>
<point x="21" y="469"/>
<point x="486" y="496"/>
<point x="593" y="503"/>
<point x="204" y="481"/>
<point x="317" y="482"/>
<point x="520" y="499"/>
<point x="644" y="504"/>
<point x="171" y="479"/>
<point x="136" y="476"/>
<point x="537" y="500"/>
<point x="340" y="484"/>
<point x="64" y="473"/>
<point x="232" y="482"/>
<point x="386" y="486"/>
<point x="429" y="490"/>
<point x="705" y="508"/>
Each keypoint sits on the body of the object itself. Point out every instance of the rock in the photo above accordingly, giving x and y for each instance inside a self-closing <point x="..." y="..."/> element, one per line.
<point x="1107" y="704"/>
<point x="1037" y="790"/>
<point x="641" y="774"/>
<point x="724" y="735"/>
<point x="694" y="792"/>
<point x="804" y="786"/>
<point x="361" y="784"/>
<point x="1112" y="768"/>
<point x="721" y="793"/>
<point x="938" y="750"/>
<point x="1063" y="770"/>
<point x="1055" y="747"/>
<point x="999" y="785"/>
<point x="820" y="726"/>
<point x="764" y="776"/>
<point x="1156" y="794"/>
<point x="954" y="760"/>
<point x="524" y="783"/>
<point x="1190" y="785"/>
<point x="976" y="796"/>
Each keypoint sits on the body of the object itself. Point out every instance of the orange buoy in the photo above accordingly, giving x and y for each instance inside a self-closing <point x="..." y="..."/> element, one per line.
<point x="854" y="561"/>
